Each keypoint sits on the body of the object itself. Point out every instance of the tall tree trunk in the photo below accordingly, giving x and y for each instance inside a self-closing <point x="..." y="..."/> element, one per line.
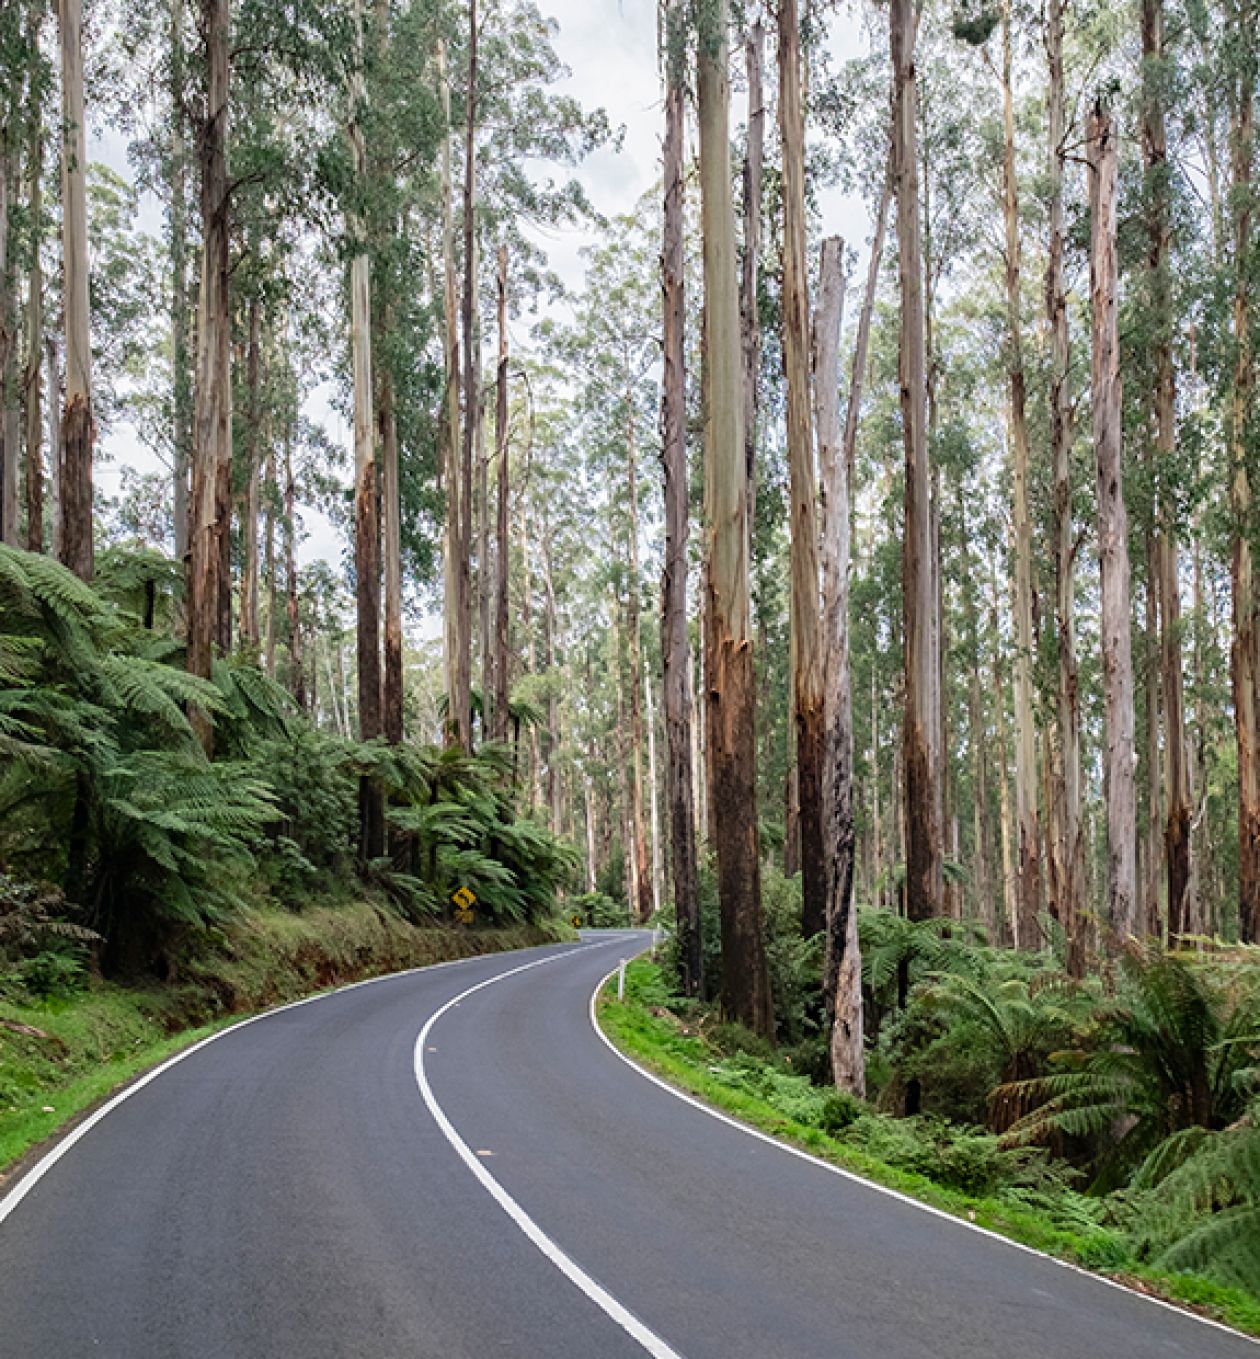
<point x="499" y="642"/>
<point x="461" y="698"/>
<point x="181" y="383"/>
<point x="53" y="365"/>
<point x="455" y="548"/>
<point x="654" y="809"/>
<point x="32" y="378"/>
<point x="1245" y="659"/>
<point x="676" y="698"/>
<point x="807" y="650"/>
<point x="1113" y="536"/>
<point x="729" y="673"/>
<point x="367" y="537"/>
<point x="749" y="318"/>
<point x="78" y="427"/>
<point x="212" y="398"/>
<point x="269" y="556"/>
<point x="642" y="874"/>
<point x="250" y="631"/>
<point x="922" y="794"/>
<point x="1071" y="853"/>
<point x="10" y="454"/>
<point x="297" y="672"/>
<point x="1028" y="884"/>
<point x="391" y="514"/>
<point x="842" y="984"/>
<point x="862" y="342"/>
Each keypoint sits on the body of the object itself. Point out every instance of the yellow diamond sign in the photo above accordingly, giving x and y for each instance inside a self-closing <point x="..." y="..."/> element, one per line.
<point x="465" y="898"/>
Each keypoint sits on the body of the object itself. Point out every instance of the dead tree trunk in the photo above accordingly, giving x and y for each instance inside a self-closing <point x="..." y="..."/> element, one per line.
<point x="1113" y="536"/>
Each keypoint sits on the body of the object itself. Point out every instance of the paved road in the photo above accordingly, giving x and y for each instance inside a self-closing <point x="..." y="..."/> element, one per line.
<point x="311" y="1185"/>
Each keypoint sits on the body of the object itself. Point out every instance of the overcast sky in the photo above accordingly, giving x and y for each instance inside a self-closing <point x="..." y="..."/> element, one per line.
<point x="609" y="47"/>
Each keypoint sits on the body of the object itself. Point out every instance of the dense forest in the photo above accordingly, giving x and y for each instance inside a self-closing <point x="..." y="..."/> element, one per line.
<point x="892" y="597"/>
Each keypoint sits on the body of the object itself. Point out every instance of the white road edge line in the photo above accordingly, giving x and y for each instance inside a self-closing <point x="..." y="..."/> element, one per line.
<point x="633" y="1327"/>
<point x="883" y="1189"/>
<point x="10" y="1200"/>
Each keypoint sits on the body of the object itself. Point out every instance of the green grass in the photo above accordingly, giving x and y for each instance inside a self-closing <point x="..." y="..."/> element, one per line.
<point x="644" y="1029"/>
<point x="61" y="1056"/>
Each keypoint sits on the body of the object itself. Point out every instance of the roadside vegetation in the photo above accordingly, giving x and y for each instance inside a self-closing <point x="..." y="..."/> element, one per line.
<point x="1113" y="1122"/>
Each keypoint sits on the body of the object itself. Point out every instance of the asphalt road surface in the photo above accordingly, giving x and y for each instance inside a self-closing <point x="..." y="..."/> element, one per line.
<point x="318" y="1183"/>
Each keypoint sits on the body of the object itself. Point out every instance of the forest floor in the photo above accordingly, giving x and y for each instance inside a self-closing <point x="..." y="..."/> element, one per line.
<point x="949" y="1172"/>
<point x="62" y="1054"/>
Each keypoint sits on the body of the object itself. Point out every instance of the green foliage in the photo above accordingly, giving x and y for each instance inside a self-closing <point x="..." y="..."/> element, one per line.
<point x="598" y="911"/>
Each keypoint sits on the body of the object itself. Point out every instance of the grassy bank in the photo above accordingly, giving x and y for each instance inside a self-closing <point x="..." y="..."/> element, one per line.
<point x="60" y="1055"/>
<point x="761" y="1092"/>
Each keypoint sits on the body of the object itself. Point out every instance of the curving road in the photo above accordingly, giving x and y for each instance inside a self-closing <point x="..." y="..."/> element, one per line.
<point x="317" y="1183"/>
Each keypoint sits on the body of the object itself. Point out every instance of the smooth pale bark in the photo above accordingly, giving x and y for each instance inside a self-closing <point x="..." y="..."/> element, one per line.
<point x="461" y="696"/>
<point x="729" y="675"/>
<point x="391" y="523"/>
<point x="1070" y="851"/>
<point x="453" y="547"/>
<point x="750" y="270"/>
<point x="33" y="372"/>
<point x="78" y="427"/>
<point x="654" y="809"/>
<point x="499" y="714"/>
<point x="922" y="788"/>
<point x="177" y="242"/>
<point x="269" y="558"/>
<point x="807" y="644"/>
<point x="862" y="342"/>
<point x="249" y="625"/>
<point x="676" y="696"/>
<point x="1120" y="757"/>
<point x="367" y="538"/>
<point x="297" y="672"/>
<point x="642" y="903"/>
<point x="52" y="363"/>
<point x="1028" y="867"/>
<point x="1177" y="783"/>
<point x="1245" y="659"/>
<point x="842" y="974"/>
<point x="1005" y="815"/>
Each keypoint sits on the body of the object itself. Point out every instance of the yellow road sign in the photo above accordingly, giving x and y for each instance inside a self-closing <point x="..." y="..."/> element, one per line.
<point x="576" y="920"/>
<point x="464" y="898"/>
<point x="464" y="916"/>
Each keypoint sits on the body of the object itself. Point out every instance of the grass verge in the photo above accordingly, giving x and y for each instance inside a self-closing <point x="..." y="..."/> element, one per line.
<point x="61" y="1056"/>
<point x="657" y="1039"/>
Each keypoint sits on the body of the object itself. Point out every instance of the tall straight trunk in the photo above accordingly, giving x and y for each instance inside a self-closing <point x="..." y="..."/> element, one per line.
<point x="78" y="427"/>
<point x="1245" y="659"/>
<point x="862" y="342"/>
<point x="555" y="789"/>
<point x="269" y="558"/>
<point x="642" y="876"/>
<point x="454" y="548"/>
<point x="676" y="698"/>
<point x="1113" y="535"/>
<point x="461" y="697"/>
<point x="842" y="985"/>
<point x="1028" y="882"/>
<point x="922" y="792"/>
<point x="1150" y="843"/>
<point x="729" y="674"/>
<point x="177" y="233"/>
<point x="32" y="377"/>
<point x="53" y="365"/>
<point x="297" y="672"/>
<point x="391" y="516"/>
<point x="212" y="397"/>
<point x="250" y="631"/>
<point x="749" y="318"/>
<point x="1009" y="904"/>
<point x="499" y="642"/>
<point x="367" y="535"/>
<point x="1177" y="848"/>
<point x="807" y="642"/>
<point x="654" y="809"/>
<point x="9" y="451"/>
<point x="1071" y="851"/>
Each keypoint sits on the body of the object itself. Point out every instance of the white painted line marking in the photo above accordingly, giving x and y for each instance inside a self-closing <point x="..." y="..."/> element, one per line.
<point x="633" y="1327"/>
<point x="883" y="1189"/>
<point x="46" y="1162"/>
